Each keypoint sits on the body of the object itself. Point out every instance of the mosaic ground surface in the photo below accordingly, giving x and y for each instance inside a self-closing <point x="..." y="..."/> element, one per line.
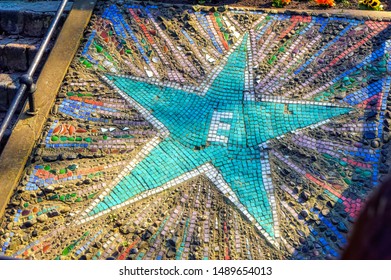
<point x="224" y="134"/>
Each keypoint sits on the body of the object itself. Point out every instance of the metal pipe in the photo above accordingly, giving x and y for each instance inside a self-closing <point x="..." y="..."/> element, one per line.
<point x="14" y="105"/>
<point x="48" y="36"/>
<point x="26" y="81"/>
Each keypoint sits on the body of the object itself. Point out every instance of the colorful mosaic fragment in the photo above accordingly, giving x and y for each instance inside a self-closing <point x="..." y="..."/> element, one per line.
<point x="208" y="134"/>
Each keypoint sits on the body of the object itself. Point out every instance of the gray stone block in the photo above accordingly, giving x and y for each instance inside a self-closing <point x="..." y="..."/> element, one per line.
<point x="11" y="22"/>
<point x="17" y="54"/>
<point x="9" y="84"/>
<point x="36" y="24"/>
<point x="16" y="57"/>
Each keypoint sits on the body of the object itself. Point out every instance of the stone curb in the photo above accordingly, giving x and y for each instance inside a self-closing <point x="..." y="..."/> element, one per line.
<point x="351" y="14"/>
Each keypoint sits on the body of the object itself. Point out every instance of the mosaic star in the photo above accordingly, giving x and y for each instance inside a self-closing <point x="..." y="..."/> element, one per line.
<point x="217" y="132"/>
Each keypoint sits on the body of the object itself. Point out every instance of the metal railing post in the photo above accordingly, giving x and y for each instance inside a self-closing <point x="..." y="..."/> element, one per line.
<point x="30" y="88"/>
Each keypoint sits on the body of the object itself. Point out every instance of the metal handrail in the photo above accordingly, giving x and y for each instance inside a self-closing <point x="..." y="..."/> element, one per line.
<point x="26" y="81"/>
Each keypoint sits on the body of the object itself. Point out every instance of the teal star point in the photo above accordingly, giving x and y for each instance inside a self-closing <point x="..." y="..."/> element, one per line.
<point x="219" y="127"/>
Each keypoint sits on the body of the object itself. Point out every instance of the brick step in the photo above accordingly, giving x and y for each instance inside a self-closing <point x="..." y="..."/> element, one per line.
<point x="16" y="53"/>
<point x="9" y="84"/>
<point x="30" y="19"/>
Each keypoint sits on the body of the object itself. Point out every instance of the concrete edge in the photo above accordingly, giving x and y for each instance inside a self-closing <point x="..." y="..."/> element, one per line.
<point x="346" y="13"/>
<point x="28" y="129"/>
<point x="352" y="14"/>
<point x="33" y="7"/>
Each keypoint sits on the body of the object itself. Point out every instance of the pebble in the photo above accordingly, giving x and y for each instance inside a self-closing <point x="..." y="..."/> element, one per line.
<point x="53" y="214"/>
<point x="50" y="158"/>
<point x="42" y="218"/>
<point x="305" y="195"/>
<point x="171" y="252"/>
<point x="133" y="251"/>
<point x="325" y="212"/>
<point x="143" y="245"/>
<point x="147" y="234"/>
<point x="64" y="209"/>
<point x="172" y="242"/>
<point x="28" y="224"/>
<point x="304" y="213"/>
<point x="342" y="227"/>
<point x="375" y="143"/>
<point x="384" y="168"/>
<point x="25" y="212"/>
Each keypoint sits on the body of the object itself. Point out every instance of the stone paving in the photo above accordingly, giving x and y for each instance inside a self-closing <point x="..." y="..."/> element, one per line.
<point x="211" y="133"/>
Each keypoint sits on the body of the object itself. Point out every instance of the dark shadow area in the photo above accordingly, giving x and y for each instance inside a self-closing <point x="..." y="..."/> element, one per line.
<point x="367" y="236"/>
<point x="370" y="238"/>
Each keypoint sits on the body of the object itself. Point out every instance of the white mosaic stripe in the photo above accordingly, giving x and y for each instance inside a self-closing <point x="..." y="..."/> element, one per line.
<point x="153" y="71"/>
<point x="106" y="246"/>
<point x="249" y="91"/>
<point x="263" y="51"/>
<point x="207" y="169"/>
<point x="231" y="27"/>
<point x="292" y="212"/>
<point x="144" y="112"/>
<point x="261" y="18"/>
<point x="270" y="189"/>
<point x="249" y="256"/>
<point x="285" y="160"/>
<point x="133" y="68"/>
<point x="299" y="130"/>
<point x="253" y="45"/>
<point x="201" y="30"/>
<point x="203" y="88"/>
<point x="358" y="127"/>
<point x="237" y="25"/>
<point x="180" y="58"/>
<point x="138" y="158"/>
<point x="289" y="191"/>
<point x="88" y="190"/>
<point x="321" y="146"/>
<point x="268" y="82"/>
<point x="279" y="99"/>
<point x="290" y="249"/>
<point x="174" y="75"/>
<point x="238" y="242"/>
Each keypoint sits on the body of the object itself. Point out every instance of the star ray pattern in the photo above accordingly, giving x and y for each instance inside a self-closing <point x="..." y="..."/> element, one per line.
<point x="207" y="134"/>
